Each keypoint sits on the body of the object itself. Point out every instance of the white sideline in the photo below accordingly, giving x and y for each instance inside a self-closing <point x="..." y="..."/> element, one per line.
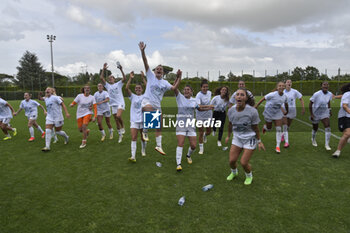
<point x="308" y="124"/>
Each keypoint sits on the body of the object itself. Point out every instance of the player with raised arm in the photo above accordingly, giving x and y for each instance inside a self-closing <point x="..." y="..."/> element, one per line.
<point x="220" y="102"/>
<point x="6" y="112"/>
<point x="86" y="103"/>
<point x="155" y="89"/>
<point x="116" y="98"/>
<point x="274" y="111"/>
<point x="186" y="105"/>
<point x="103" y="110"/>
<point x="241" y="84"/>
<point x="31" y="112"/>
<point x="320" y="110"/>
<point x="136" y="118"/>
<point x="344" y="119"/>
<point x="292" y="95"/>
<point x="203" y="98"/>
<point x="54" y="117"/>
<point x="243" y="121"/>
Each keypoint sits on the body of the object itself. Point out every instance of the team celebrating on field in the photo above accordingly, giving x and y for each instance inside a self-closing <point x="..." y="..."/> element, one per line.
<point x="242" y="114"/>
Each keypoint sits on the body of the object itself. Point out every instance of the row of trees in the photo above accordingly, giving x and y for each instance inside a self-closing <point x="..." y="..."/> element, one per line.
<point x="31" y="75"/>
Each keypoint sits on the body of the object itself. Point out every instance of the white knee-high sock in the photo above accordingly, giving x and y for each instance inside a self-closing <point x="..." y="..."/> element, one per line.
<point x="159" y="141"/>
<point x="189" y="152"/>
<point x="133" y="149"/>
<point x="40" y="129"/>
<point x="313" y="135"/>
<point x="327" y="135"/>
<point x="62" y="133"/>
<point x="48" y="138"/>
<point x="143" y="145"/>
<point x="278" y="136"/>
<point x="31" y="131"/>
<point x="285" y="133"/>
<point x="103" y="132"/>
<point x="201" y="146"/>
<point x="178" y="155"/>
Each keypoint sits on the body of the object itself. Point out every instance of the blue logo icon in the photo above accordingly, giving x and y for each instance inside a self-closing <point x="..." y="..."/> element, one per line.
<point x="151" y="120"/>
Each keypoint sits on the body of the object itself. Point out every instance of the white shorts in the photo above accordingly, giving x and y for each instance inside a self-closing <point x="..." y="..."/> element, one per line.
<point x="291" y="114"/>
<point x="5" y="121"/>
<point x="317" y="120"/>
<point x="146" y="101"/>
<point x="105" y="114"/>
<point x="116" y="107"/>
<point x="136" y="125"/>
<point x="32" y="117"/>
<point x="187" y="133"/>
<point x="249" y="144"/>
<point x="55" y="123"/>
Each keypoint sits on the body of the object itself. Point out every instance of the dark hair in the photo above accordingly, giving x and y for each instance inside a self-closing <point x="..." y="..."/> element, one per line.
<point x="324" y="82"/>
<point x="345" y="88"/>
<point x="204" y="81"/>
<point x="250" y="100"/>
<point x="138" y="84"/>
<point x="187" y="85"/>
<point x="82" y="89"/>
<point x="218" y="92"/>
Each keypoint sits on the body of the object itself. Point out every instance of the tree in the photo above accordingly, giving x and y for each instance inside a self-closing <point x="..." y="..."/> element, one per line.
<point x="232" y="78"/>
<point x="29" y="71"/>
<point x="221" y="78"/>
<point x="6" y="80"/>
<point x="298" y="74"/>
<point x="311" y="73"/>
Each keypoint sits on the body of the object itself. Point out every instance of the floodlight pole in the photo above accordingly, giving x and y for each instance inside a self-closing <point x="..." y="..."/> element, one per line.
<point x="51" y="38"/>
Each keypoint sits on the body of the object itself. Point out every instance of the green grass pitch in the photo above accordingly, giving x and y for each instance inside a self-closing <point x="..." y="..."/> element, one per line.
<point x="97" y="189"/>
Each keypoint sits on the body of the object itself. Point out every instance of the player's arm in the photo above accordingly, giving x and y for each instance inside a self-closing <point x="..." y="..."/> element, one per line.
<point x="143" y="78"/>
<point x="131" y="76"/>
<point x="346" y="107"/>
<point x="102" y="76"/>
<point x="42" y="107"/>
<point x="229" y="132"/>
<point x="177" y="81"/>
<point x="329" y="108"/>
<point x="123" y="74"/>
<point x="73" y="104"/>
<point x="257" y="133"/>
<point x="65" y="109"/>
<point x="95" y="111"/>
<point x="310" y="110"/>
<point x="40" y="96"/>
<point x="337" y="96"/>
<point x="260" y="101"/>
<point x="18" y="111"/>
<point x="205" y="107"/>
<point x="285" y="112"/>
<point x="12" y="110"/>
<point x="142" y="47"/>
<point x="302" y="106"/>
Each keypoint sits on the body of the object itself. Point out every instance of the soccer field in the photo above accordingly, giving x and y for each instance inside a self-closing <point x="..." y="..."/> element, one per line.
<point x="97" y="189"/>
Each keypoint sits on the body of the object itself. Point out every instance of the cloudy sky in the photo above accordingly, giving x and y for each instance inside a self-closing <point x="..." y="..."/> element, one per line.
<point x="194" y="36"/>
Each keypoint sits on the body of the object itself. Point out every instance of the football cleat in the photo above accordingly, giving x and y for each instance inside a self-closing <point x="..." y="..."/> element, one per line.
<point x="327" y="147"/>
<point x="111" y="136"/>
<point x="248" y="180"/>
<point x="120" y="139"/>
<point x="31" y="139"/>
<point x="43" y="135"/>
<point x="45" y="149"/>
<point x="145" y="136"/>
<point x="219" y="144"/>
<point x="231" y="176"/>
<point x="189" y="160"/>
<point x="336" y="154"/>
<point x="179" y="168"/>
<point x="133" y="160"/>
<point x="7" y="138"/>
<point x="14" y="131"/>
<point x="160" y="150"/>
<point x="103" y="138"/>
<point x="278" y="150"/>
<point x="314" y="143"/>
<point x="286" y="145"/>
<point x="66" y="140"/>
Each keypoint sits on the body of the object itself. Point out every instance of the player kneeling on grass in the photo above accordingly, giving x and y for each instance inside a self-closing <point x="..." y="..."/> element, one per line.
<point x="320" y="110"/>
<point x="6" y="112"/>
<point x="136" y="123"/>
<point x="54" y="117"/>
<point x="243" y="121"/>
<point x="344" y="119"/>
<point x="31" y="112"/>
<point x="274" y="111"/>
<point x="186" y="105"/>
<point x="86" y="103"/>
<point x="103" y="110"/>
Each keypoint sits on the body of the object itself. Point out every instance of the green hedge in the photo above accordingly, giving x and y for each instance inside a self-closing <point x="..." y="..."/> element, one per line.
<point x="258" y="88"/>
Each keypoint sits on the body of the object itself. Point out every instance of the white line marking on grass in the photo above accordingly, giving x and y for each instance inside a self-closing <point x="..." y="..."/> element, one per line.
<point x="308" y="124"/>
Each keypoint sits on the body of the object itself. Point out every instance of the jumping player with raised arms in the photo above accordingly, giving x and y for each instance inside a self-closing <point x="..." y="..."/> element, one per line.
<point x="155" y="89"/>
